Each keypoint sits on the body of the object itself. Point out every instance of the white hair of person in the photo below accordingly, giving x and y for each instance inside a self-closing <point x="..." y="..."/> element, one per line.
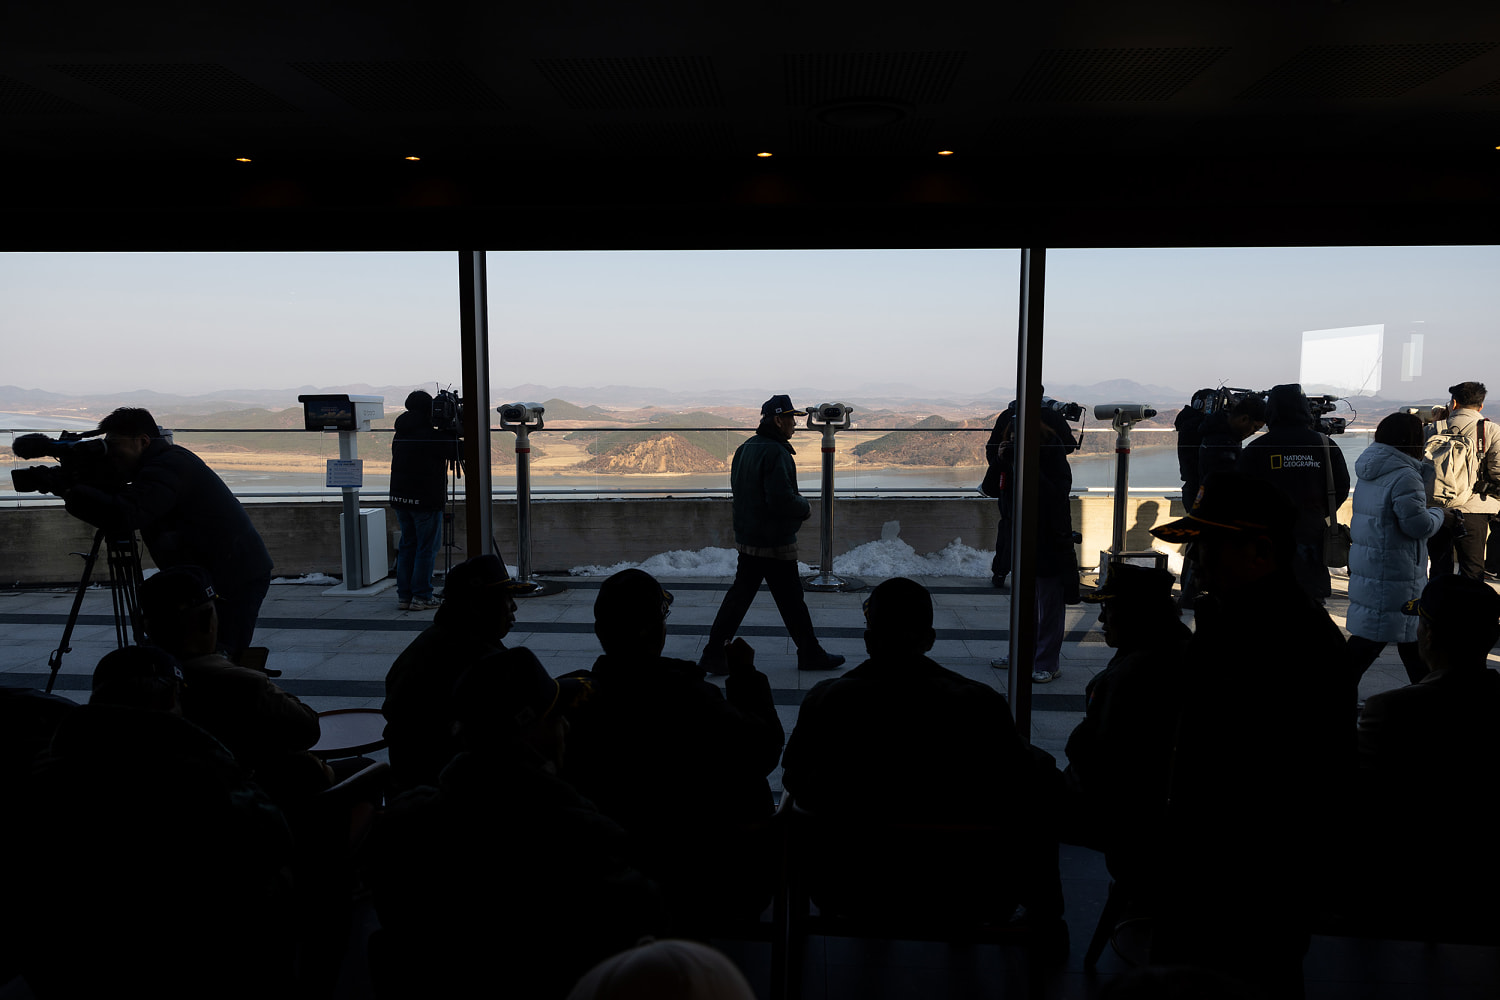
<point x="664" y="970"/>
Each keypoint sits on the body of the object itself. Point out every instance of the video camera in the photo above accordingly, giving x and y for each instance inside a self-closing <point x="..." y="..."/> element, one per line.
<point x="1320" y="405"/>
<point x="81" y="463"/>
<point x="448" y="411"/>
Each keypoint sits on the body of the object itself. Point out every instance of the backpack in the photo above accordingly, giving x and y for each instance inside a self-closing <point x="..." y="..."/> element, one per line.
<point x="1456" y="457"/>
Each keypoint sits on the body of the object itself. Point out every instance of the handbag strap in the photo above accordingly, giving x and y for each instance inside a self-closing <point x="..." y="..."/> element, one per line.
<point x="1328" y="472"/>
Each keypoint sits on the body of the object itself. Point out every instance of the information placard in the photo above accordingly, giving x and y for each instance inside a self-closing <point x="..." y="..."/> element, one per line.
<point x="346" y="472"/>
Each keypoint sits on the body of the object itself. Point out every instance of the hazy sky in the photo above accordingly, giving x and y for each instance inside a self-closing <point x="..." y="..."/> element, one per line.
<point x="938" y="320"/>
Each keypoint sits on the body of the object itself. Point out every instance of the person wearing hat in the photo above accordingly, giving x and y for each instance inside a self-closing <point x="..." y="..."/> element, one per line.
<point x="949" y="744"/>
<point x="1118" y="755"/>
<point x="1262" y="747"/>
<point x="266" y="728"/>
<point x="186" y="517"/>
<point x="768" y="510"/>
<point x="476" y="615"/>
<point x="678" y="762"/>
<point x="420" y="455"/>
<point x="1429" y="756"/>
<point x="503" y="825"/>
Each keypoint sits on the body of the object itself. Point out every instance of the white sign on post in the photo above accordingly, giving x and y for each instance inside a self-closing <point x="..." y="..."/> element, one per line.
<point x="346" y="472"/>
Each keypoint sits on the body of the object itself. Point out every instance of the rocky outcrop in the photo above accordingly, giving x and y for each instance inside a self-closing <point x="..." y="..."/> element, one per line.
<point x="664" y="453"/>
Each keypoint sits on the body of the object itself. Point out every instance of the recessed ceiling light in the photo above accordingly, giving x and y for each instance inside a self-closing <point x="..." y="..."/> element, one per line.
<point x="413" y="157"/>
<point x="763" y="156"/>
<point x="242" y="159"/>
<point x="945" y="152"/>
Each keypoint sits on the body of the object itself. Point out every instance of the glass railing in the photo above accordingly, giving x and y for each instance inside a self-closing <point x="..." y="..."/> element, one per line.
<point x="936" y="458"/>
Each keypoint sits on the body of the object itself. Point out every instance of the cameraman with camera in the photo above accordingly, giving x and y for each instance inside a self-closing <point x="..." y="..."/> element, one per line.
<point x="185" y="514"/>
<point x="420" y="455"/>
<point x="1290" y="455"/>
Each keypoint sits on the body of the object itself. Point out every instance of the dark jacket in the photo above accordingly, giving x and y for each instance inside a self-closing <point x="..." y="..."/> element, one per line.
<point x="904" y="730"/>
<point x="657" y="746"/>
<point x="1218" y="451"/>
<point x="419" y="463"/>
<point x="185" y="514"/>
<point x="418" y="706"/>
<point x="503" y="861"/>
<point x="683" y="769"/>
<point x="1291" y="455"/>
<point x="901" y="737"/>
<point x="768" y="510"/>
<point x="1263" y="758"/>
<point x="1055" y="555"/>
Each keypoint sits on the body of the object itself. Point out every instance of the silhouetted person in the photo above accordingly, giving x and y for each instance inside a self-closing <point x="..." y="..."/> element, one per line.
<point x="1387" y="562"/>
<point x="1056" y="559"/>
<point x="186" y="517"/>
<point x="768" y="510"/>
<point x="1429" y="755"/>
<point x="1119" y="755"/>
<point x="476" y="615"/>
<point x="503" y="873"/>
<point x="1295" y="458"/>
<point x="1221" y="440"/>
<point x="679" y="763"/>
<point x="1263" y="748"/>
<point x="163" y="870"/>
<point x="266" y="728"/>
<point x="420" y="455"/>
<point x="900" y="735"/>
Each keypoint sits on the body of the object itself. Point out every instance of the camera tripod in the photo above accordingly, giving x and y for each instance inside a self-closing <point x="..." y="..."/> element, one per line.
<point x="123" y="557"/>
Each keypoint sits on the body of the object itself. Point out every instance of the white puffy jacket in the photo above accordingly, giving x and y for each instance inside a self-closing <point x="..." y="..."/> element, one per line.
<point x="1388" y="562"/>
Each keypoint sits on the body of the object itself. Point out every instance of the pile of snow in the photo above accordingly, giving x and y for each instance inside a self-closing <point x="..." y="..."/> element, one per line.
<point x="888" y="557"/>
<point x="319" y="579"/>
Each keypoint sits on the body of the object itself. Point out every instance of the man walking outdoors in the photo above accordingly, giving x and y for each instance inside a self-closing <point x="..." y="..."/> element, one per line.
<point x="768" y="510"/>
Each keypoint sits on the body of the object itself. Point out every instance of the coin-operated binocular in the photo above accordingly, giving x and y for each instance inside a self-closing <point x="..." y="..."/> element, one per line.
<point x="830" y="418"/>
<point x="522" y="419"/>
<point x="1122" y="417"/>
<point x="361" y="531"/>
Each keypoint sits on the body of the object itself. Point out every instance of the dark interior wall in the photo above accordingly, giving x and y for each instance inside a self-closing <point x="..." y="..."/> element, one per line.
<point x="710" y="204"/>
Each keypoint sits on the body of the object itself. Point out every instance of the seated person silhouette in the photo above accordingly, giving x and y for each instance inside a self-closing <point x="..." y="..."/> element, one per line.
<point x="1118" y="755"/>
<point x="160" y="840"/>
<point x="1263" y="752"/>
<point x="265" y="728"/>
<point x="503" y="872"/>
<point x="1428" y="752"/>
<point x="679" y="763"/>
<point x="476" y="614"/>
<point x="900" y="737"/>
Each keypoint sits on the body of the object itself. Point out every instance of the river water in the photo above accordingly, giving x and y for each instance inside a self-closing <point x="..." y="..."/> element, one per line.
<point x="1151" y="468"/>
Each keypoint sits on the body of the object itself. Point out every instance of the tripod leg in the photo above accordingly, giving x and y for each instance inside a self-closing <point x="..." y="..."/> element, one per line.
<point x="54" y="662"/>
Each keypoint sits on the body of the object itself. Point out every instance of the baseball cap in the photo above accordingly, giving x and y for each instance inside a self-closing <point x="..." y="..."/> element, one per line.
<point x="780" y="406"/>
<point x="173" y="591"/>
<point x="1229" y="503"/>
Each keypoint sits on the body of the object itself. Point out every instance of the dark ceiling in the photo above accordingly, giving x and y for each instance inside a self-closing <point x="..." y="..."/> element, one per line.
<point x="1104" y="122"/>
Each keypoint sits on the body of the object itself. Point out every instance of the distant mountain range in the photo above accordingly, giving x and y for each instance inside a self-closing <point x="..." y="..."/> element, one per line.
<point x="596" y="402"/>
